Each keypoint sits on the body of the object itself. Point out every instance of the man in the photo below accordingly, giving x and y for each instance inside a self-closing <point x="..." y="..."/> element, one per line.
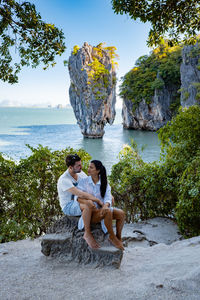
<point x="70" y="195"/>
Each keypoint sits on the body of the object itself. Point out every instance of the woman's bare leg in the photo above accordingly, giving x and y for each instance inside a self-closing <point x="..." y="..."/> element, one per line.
<point x="119" y="216"/>
<point x="97" y="217"/>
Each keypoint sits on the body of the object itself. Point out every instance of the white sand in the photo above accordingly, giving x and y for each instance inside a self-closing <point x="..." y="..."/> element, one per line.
<point x="160" y="272"/>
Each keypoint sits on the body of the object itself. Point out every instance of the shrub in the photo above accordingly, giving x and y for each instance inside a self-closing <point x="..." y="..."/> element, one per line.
<point x="29" y="192"/>
<point x="141" y="189"/>
<point x="188" y="205"/>
<point x="170" y="187"/>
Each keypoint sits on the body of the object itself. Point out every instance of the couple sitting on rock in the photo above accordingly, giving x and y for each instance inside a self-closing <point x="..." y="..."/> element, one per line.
<point x="90" y="197"/>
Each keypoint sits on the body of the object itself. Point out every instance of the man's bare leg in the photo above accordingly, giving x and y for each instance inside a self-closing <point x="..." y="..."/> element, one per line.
<point x="87" y="210"/>
<point x="97" y="217"/>
<point x="119" y="216"/>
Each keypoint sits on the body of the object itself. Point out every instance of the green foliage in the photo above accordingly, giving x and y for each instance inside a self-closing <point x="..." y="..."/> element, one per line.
<point x="140" y="83"/>
<point x="175" y="19"/>
<point x="75" y="49"/>
<point x="195" y="51"/>
<point x="188" y="206"/>
<point x="158" y="84"/>
<point x="170" y="188"/>
<point x="22" y="30"/>
<point x="186" y="95"/>
<point x="28" y="192"/>
<point x="98" y="71"/>
<point x="141" y="189"/>
<point x="197" y="87"/>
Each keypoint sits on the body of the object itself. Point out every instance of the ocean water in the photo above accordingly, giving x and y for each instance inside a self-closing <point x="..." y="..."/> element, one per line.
<point x="57" y="129"/>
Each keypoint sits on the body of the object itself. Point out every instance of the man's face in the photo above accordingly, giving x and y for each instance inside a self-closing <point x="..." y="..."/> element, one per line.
<point x="77" y="167"/>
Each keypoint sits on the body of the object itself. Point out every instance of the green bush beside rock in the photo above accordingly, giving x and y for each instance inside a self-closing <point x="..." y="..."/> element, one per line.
<point x="28" y="191"/>
<point x="170" y="187"/>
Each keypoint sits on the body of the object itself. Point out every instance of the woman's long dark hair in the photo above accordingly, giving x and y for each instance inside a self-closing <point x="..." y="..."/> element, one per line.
<point x="103" y="176"/>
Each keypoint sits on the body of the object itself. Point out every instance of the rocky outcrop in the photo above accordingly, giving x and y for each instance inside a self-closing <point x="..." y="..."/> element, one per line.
<point x="64" y="240"/>
<point x="149" y="116"/>
<point x="92" y="95"/>
<point x="190" y="76"/>
<point x="156" y="114"/>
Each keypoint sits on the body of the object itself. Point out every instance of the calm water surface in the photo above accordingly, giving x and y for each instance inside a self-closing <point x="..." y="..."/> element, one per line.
<point x="57" y="129"/>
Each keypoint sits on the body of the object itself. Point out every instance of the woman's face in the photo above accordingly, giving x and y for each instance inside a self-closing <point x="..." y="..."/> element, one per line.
<point x="92" y="171"/>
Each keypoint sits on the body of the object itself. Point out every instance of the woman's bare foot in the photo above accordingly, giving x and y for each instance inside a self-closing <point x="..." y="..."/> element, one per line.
<point x="114" y="240"/>
<point x="91" y="241"/>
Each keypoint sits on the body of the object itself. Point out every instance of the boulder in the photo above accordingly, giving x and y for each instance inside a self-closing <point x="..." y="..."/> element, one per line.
<point x="64" y="240"/>
<point x="92" y="97"/>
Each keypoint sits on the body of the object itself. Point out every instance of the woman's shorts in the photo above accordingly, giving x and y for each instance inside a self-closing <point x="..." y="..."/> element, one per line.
<point x="72" y="208"/>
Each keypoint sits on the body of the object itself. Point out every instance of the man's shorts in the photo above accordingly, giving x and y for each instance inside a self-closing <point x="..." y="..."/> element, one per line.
<point x="72" y="208"/>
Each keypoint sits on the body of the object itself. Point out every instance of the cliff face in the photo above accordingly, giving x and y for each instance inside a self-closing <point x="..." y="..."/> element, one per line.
<point x="149" y="116"/>
<point x="190" y="76"/>
<point x="156" y="114"/>
<point x="92" y="97"/>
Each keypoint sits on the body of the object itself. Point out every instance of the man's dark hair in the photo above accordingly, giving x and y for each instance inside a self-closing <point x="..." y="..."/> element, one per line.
<point x="71" y="159"/>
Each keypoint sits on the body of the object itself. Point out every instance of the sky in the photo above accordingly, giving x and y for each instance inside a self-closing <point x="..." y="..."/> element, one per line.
<point x="92" y="21"/>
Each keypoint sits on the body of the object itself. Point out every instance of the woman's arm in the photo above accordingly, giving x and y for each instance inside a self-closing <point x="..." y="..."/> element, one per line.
<point x="81" y="194"/>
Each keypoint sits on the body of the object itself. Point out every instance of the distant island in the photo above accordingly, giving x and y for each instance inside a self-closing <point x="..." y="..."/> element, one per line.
<point x="8" y="103"/>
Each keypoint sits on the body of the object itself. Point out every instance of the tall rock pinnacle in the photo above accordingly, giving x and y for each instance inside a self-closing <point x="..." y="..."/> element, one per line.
<point x="93" y="88"/>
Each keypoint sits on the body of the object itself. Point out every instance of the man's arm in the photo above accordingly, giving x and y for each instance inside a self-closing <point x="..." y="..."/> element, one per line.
<point x="84" y="195"/>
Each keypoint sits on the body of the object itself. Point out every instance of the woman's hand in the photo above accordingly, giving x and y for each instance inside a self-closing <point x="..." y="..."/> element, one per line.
<point x="99" y="202"/>
<point x="104" y="209"/>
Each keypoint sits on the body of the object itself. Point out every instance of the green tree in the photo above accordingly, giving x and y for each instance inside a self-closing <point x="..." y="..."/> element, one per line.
<point x="176" y="18"/>
<point x="22" y="30"/>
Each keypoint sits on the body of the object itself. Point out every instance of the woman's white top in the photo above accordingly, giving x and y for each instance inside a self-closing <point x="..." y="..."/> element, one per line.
<point x="87" y="185"/>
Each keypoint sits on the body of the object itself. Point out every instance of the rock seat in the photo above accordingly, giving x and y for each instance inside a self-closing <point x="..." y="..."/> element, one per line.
<point x="64" y="240"/>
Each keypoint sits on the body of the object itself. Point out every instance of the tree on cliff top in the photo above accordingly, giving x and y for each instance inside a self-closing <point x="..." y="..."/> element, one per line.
<point x="177" y="18"/>
<point x="22" y="31"/>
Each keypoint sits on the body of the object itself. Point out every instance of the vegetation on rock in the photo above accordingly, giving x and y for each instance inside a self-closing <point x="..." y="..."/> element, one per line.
<point x="99" y="71"/>
<point x="161" y="68"/>
<point x="75" y="50"/>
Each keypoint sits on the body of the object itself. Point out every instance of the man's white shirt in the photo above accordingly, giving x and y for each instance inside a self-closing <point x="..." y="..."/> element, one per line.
<point x="66" y="182"/>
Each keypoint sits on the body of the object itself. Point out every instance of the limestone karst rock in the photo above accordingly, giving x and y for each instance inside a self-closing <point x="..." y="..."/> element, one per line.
<point x="149" y="116"/>
<point x="190" y="75"/>
<point x="93" y="89"/>
<point x="156" y="114"/>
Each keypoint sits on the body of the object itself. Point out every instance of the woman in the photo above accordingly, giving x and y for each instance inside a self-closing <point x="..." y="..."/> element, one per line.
<point x="96" y="184"/>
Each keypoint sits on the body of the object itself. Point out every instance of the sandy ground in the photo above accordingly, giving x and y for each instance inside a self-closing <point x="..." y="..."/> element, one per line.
<point x="159" y="272"/>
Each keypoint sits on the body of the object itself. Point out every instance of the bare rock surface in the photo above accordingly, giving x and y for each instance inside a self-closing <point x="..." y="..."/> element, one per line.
<point x="150" y="116"/>
<point x="162" y="271"/>
<point x="190" y="75"/>
<point x="64" y="240"/>
<point x="151" y="232"/>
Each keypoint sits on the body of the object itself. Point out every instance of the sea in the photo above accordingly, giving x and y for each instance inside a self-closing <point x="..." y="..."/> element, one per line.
<point x="58" y="129"/>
